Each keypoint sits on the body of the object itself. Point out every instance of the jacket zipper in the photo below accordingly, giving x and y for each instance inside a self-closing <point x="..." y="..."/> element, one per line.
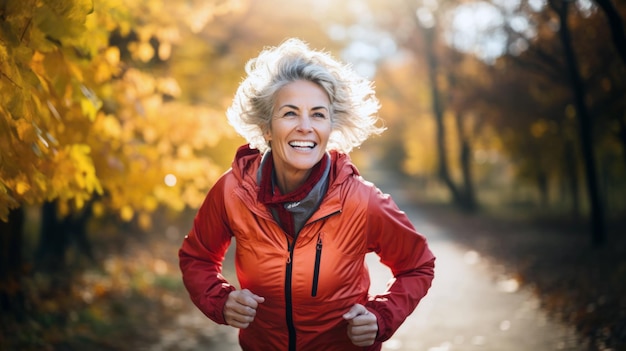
<point x="288" y="298"/>
<point x="316" y="269"/>
<point x="291" y="327"/>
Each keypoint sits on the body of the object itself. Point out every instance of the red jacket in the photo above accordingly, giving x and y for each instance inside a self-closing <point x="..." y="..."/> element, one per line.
<point x="307" y="286"/>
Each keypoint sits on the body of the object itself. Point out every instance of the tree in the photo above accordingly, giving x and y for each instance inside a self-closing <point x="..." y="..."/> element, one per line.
<point x="585" y="124"/>
<point x="596" y="79"/>
<point x="423" y="21"/>
<point x="41" y="50"/>
<point x="616" y="25"/>
<point x="85" y="130"/>
<point x="34" y="156"/>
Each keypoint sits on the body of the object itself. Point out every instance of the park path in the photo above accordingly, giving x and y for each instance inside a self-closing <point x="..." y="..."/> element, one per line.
<point x="472" y="304"/>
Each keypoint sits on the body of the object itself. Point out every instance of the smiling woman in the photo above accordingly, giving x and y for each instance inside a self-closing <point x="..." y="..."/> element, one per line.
<point x="298" y="132"/>
<point x="353" y="103"/>
<point x="303" y="217"/>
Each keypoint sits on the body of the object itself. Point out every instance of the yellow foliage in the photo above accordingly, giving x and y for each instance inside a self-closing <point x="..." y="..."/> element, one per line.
<point x="421" y="158"/>
<point x="127" y="213"/>
<point x="150" y="135"/>
<point x="539" y="128"/>
<point x="169" y="86"/>
<point x="103" y="72"/>
<point x="150" y="203"/>
<point x="165" y="51"/>
<point x="109" y="127"/>
<point x="112" y="56"/>
<point x="58" y="71"/>
<point x="25" y="131"/>
<point x="145" y="221"/>
<point x="72" y="10"/>
<point x="142" y="51"/>
<point x="98" y="209"/>
<point x="152" y="104"/>
<point x="21" y="188"/>
<point x="74" y="178"/>
<point x="6" y="202"/>
<point x="88" y="108"/>
<point x="185" y="151"/>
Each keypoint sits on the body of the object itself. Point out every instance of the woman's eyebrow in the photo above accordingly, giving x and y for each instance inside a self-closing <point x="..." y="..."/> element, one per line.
<point x="320" y="108"/>
<point x="297" y="108"/>
<point x="289" y="106"/>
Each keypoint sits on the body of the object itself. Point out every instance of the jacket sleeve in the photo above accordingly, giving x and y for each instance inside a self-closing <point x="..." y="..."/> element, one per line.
<point x="405" y="251"/>
<point x="202" y="253"/>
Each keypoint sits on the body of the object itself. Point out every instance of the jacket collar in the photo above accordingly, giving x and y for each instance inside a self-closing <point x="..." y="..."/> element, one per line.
<point x="246" y="165"/>
<point x="247" y="162"/>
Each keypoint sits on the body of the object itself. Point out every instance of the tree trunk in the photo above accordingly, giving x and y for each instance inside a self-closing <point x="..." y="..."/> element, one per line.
<point x="616" y="26"/>
<point x="621" y="135"/>
<point x="57" y="235"/>
<point x="443" y="172"/>
<point x="585" y="126"/>
<point x="465" y="157"/>
<point x="542" y="186"/>
<point x="571" y="171"/>
<point x="76" y="228"/>
<point x="53" y="240"/>
<point x="11" y="242"/>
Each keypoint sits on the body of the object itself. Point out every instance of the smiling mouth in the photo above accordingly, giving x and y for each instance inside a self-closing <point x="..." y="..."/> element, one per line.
<point x="302" y="145"/>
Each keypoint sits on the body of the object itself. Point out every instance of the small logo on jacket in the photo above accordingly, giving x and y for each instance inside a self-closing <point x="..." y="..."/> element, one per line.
<point x="291" y="205"/>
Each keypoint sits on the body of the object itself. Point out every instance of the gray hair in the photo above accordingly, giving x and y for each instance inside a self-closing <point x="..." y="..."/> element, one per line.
<point x="353" y="103"/>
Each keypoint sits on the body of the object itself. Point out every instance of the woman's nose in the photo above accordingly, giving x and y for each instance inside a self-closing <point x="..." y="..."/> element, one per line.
<point x="304" y="123"/>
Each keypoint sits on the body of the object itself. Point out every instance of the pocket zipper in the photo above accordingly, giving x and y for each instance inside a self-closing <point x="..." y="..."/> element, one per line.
<point x="316" y="269"/>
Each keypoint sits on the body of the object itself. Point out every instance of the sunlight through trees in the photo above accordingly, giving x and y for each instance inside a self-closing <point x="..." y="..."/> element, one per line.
<point x="112" y="112"/>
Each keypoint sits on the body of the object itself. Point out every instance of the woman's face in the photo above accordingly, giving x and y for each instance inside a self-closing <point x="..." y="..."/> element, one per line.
<point x="299" y="129"/>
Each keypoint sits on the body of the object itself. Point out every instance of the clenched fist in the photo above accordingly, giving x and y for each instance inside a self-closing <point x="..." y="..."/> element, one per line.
<point x="362" y="325"/>
<point x="240" y="308"/>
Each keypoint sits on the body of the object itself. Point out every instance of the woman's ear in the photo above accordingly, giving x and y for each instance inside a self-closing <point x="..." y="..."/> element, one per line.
<point x="267" y="134"/>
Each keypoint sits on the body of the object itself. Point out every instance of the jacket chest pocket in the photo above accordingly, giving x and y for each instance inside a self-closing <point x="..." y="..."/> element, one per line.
<point x="321" y="271"/>
<point x="318" y="260"/>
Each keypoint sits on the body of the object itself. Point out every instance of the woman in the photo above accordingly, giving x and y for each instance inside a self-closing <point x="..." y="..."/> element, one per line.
<point x="302" y="216"/>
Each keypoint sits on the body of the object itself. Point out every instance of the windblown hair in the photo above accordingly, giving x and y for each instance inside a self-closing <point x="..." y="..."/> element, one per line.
<point x="353" y="103"/>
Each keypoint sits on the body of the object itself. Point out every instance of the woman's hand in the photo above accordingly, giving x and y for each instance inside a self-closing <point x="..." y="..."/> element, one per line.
<point x="362" y="325"/>
<point x="240" y="308"/>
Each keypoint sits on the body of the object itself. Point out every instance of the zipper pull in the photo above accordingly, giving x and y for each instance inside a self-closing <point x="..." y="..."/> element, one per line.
<point x="290" y="245"/>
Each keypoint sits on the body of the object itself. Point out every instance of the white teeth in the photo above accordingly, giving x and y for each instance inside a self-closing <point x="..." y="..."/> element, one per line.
<point x="302" y="144"/>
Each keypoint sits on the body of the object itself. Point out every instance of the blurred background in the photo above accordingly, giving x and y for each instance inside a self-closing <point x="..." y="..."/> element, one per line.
<point x="113" y="128"/>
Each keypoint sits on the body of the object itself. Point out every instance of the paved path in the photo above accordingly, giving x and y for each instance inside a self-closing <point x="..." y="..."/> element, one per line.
<point x="472" y="305"/>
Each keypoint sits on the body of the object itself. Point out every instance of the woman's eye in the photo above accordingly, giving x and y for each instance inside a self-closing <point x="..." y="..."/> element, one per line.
<point x="290" y="114"/>
<point x="319" y="115"/>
